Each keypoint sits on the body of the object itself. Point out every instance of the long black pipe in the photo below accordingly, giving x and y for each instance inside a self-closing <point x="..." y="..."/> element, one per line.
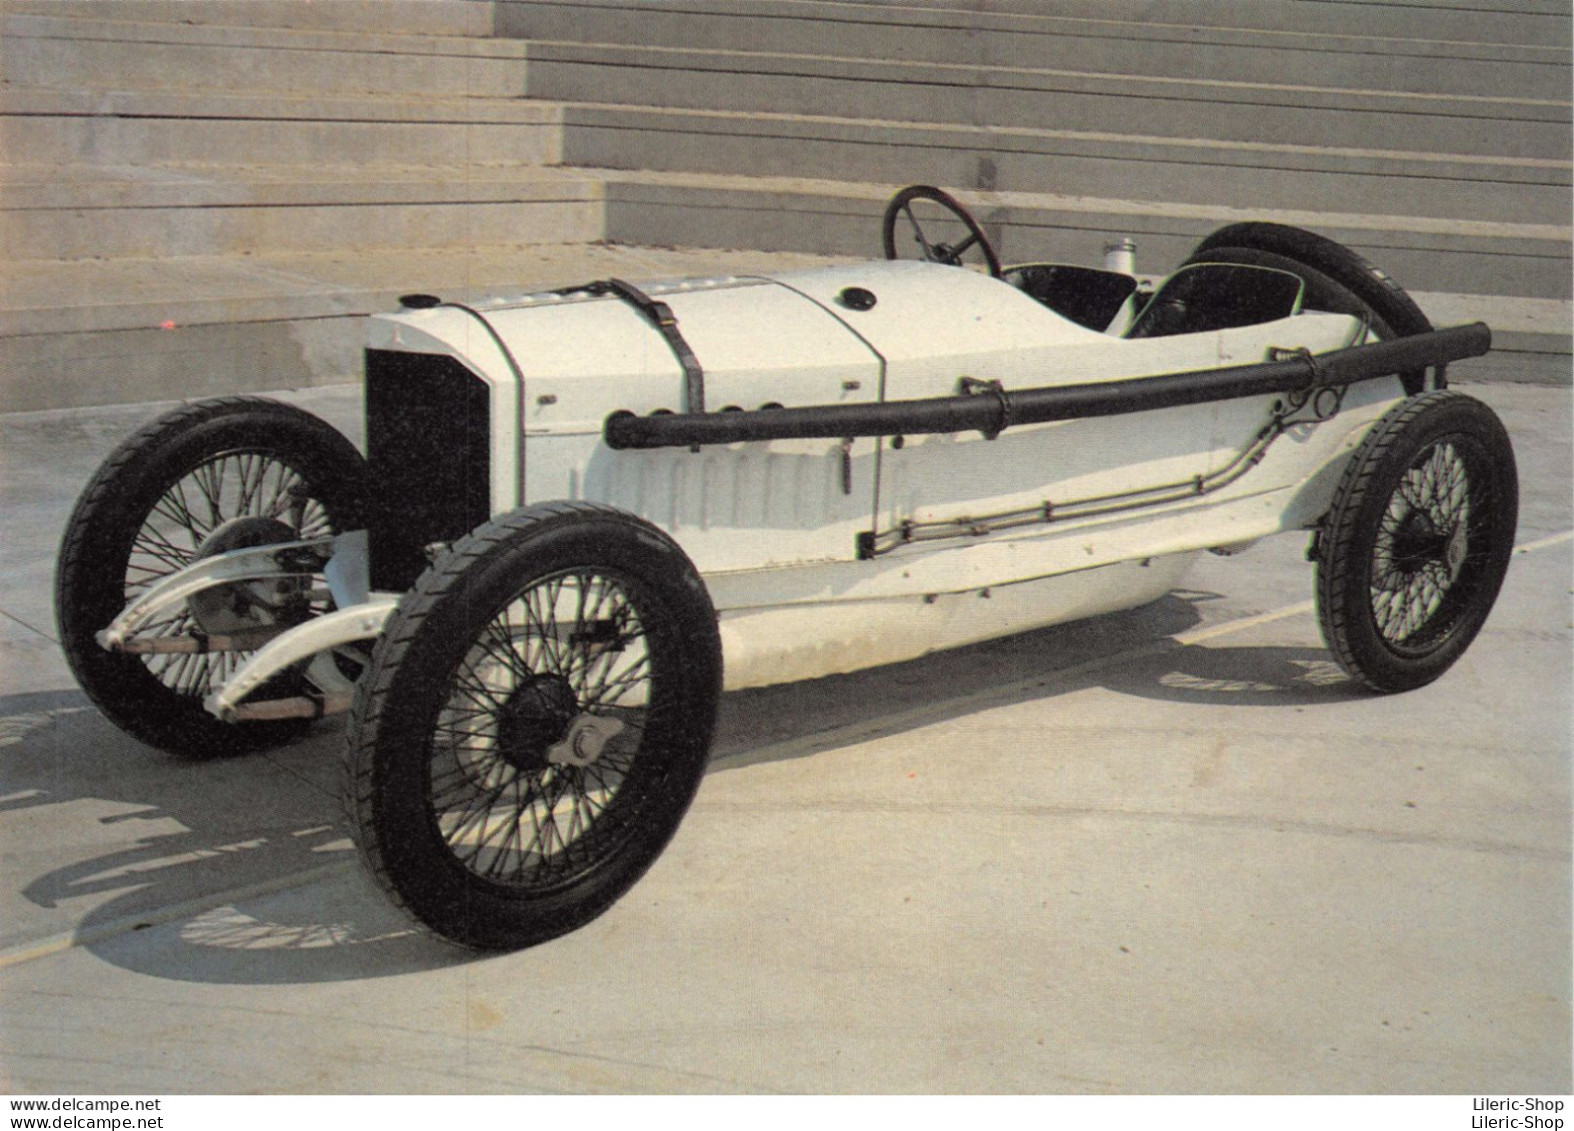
<point x="992" y="410"/>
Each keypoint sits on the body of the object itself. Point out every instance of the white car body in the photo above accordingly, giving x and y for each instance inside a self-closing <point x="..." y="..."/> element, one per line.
<point x="773" y="526"/>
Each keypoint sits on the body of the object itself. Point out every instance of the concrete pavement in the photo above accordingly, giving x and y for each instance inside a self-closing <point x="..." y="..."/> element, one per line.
<point x="1166" y="851"/>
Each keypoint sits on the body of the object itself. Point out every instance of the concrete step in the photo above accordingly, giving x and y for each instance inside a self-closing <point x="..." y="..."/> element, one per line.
<point x="77" y="54"/>
<point x="26" y="186"/>
<point x="1458" y="21"/>
<point x="745" y="22"/>
<point x="179" y="127"/>
<point x="1071" y="163"/>
<point x="827" y="217"/>
<point x="1505" y="21"/>
<point x="54" y="213"/>
<point x="1036" y="98"/>
<point x="396" y="17"/>
<point x="1418" y="62"/>
<point x="216" y="191"/>
<point x="120" y="331"/>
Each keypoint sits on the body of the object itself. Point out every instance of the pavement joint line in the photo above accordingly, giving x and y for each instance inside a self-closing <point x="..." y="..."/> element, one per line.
<point x="1241" y="624"/>
<point x="839" y="736"/>
<point x="1544" y="543"/>
<point x="29" y="627"/>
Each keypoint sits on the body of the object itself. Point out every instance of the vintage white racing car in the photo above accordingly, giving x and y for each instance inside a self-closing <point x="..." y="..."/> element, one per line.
<point x="576" y="505"/>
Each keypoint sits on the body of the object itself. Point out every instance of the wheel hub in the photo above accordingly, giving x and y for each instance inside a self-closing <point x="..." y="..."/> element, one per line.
<point x="587" y="737"/>
<point x="534" y="719"/>
<point x="226" y="609"/>
<point x="1418" y="543"/>
<point x="1454" y="552"/>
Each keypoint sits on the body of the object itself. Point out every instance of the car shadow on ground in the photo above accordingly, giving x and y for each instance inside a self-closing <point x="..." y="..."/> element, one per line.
<point x="240" y="870"/>
<point x="1131" y="653"/>
<point x="227" y="870"/>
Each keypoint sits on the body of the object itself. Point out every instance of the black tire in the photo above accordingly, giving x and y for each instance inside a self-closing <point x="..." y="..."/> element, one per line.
<point x="902" y="205"/>
<point x="461" y="804"/>
<point x="1337" y="264"/>
<point x="1413" y="552"/>
<point x="153" y="507"/>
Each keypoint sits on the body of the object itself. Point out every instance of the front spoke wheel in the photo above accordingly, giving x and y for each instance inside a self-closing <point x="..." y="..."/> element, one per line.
<point x="536" y="721"/>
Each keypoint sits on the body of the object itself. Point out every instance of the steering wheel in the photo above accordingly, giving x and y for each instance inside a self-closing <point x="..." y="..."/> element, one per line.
<point x="932" y="250"/>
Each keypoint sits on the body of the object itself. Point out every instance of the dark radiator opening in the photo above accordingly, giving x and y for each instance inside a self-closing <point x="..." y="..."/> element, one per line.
<point x="428" y="441"/>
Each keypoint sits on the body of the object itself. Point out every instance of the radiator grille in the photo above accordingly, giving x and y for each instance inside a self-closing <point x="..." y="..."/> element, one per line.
<point x="428" y="441"/>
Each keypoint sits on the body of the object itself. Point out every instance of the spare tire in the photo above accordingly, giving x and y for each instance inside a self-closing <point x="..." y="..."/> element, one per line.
<point x="1326" y="262"/>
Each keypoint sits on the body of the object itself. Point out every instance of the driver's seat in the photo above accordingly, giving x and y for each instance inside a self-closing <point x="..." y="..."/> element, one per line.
<point x="1085" y="295"/>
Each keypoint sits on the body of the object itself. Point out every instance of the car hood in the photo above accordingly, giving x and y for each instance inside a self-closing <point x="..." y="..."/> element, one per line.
<point x="823" y="336"/>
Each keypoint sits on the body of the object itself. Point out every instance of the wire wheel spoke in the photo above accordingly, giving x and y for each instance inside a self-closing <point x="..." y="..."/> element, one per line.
<point x="1427" y="549"/>
<point x="567" y="653"/>
<point x="224" y="487"/>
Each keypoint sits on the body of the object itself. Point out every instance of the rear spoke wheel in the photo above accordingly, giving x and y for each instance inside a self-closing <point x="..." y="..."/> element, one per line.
<point x="1418" y="541"/>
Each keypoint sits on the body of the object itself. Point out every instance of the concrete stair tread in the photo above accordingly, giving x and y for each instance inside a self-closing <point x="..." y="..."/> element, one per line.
<point x="46" y="25"/>
<point x="1423" y="252"/>
<point x="67" y="297"/>
<point x="414" y="17"/>
<point x="107" y="54"/>
<point x="1098" y="162"/>
<point x="698" y="22"/>
<point x="986" y="75"/>
<point x="993" y="136"/>
<point x="269" y="105"/>
<point x="1088" y="100"/>
<point x="41" y="187"/>
<point x="1383" y="26"/>
<point x="788" y="187"/>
